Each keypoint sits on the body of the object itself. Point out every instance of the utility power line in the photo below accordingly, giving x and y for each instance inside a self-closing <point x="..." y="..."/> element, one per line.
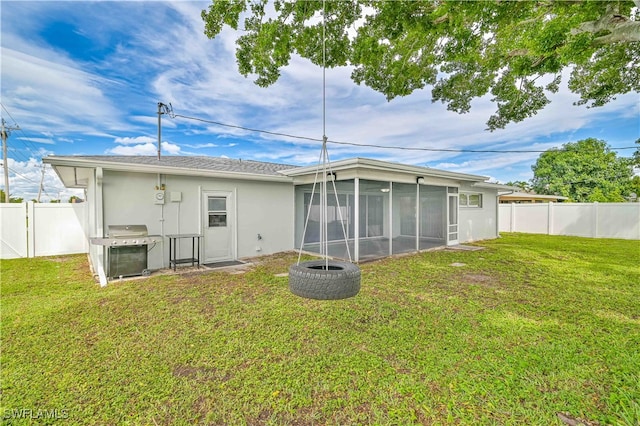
<point x="41" y="187"/>
<point x="249" y="129"/>
<point x="4" y="133"/>
<point x="365" y="145"/>
<point x="32" y="153"/>
<point x="23" y="177"/>
<point x="29" y="146"/>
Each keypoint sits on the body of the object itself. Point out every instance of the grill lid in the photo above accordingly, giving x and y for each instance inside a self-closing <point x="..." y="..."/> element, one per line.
<point x="127" y="231"/>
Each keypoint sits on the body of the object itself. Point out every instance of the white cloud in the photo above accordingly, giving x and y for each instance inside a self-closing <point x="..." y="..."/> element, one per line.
<point x="201" y="145"/>
<point x="26" y="176"/>
<point x="48" y="89"/>
<point x="152" y="121"/>
<point x="60" y="95"/>
<point x="144" y="149"/>
<point x="47" y="141"/>
<point x="135" y="141"/>
<point x="487" y="164"/>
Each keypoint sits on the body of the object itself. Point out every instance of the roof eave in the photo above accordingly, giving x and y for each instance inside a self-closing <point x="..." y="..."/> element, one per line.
<point x="498" y="186"/>
<point x="147" y="168"/>
<point x="385" y="166"/>
<point x="68" y="184"/>
<point x="525" y="195"/>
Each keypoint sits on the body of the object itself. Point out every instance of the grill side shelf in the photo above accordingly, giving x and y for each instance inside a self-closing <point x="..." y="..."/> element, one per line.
<point x="128" y="241"/>
<point x="100" y="241"/>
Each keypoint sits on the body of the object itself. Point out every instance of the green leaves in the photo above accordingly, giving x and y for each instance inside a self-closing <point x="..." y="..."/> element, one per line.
<point x="464" y="49"/>
<point x="584" y="171"/>
<point x="598" y="82"/>
<point x="222" y="13"/>
<point x="264" y="53"/>
<point x="517" y="99"/>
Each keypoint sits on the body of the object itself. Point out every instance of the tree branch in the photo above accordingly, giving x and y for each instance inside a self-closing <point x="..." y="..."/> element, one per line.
<point x="625" y="32"/>
<point x="520" y="52"/>
<point x="620" y="28"/>
<point x="445" y="18"/>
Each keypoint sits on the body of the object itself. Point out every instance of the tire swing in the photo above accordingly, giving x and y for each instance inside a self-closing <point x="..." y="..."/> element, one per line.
<point x="326" y="279"/>
<point x="317" y="280"/>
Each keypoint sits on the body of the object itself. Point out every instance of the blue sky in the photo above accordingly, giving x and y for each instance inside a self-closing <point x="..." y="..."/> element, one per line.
<point x="85" y="78"/>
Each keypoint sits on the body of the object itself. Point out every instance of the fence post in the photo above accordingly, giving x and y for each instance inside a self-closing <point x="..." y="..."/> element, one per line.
<point x="31" y="229"/>
<point x="550" y="218"/>
<point x="638" y="204"/>
<point x="512" y="220"/>
<point x="595" y="220"/>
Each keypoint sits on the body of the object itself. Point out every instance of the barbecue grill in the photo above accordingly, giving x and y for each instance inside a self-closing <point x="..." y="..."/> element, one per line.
<point x="127" y="249"/>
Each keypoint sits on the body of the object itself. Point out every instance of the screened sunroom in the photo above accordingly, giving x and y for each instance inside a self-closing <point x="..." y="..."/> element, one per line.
<point x="377" y="209"/>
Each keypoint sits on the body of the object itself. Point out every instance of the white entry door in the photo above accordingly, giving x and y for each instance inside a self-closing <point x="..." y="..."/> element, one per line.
<point x="219" y="226"/>
<point x="452" y="218"/>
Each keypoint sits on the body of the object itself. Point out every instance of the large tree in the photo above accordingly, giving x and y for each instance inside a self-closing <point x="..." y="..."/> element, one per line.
<point x="524" y="186"/>
<point x="584" y="171"/>
<point x="636" y="155"/>
<point x="463" y="49"/>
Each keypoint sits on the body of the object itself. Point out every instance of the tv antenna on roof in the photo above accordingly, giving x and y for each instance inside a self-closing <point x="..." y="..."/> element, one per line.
<point x="163" y="109"/>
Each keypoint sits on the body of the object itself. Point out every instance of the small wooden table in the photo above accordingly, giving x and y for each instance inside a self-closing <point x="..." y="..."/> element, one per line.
<point x="195" y="255"/>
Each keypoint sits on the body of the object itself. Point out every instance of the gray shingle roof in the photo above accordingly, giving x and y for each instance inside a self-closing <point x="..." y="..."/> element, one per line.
<point x="193" y="163"/>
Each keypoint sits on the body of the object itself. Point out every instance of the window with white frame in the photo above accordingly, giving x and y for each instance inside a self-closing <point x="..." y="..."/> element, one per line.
<point x="217" y="211"/>
<point x="470" y="199"/>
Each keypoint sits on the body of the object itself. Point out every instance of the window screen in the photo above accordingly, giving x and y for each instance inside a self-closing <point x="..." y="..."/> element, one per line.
<point x="471" y="200"/>
<point x="217" y="211"/>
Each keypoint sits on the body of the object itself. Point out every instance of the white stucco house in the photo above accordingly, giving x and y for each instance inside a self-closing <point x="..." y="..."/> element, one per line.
<point x="520" y="197"/>
<point x="247" y="208"/>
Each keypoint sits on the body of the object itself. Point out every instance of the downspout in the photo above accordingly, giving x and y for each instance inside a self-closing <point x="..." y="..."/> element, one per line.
<point x="99" y="203"/>
<point x="201" y="222"/>
<point x="159" y="186"/>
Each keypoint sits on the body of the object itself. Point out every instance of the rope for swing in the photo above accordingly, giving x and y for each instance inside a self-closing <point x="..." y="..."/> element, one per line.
<point x="326" y="170"/>
<point x="324" y="209"/>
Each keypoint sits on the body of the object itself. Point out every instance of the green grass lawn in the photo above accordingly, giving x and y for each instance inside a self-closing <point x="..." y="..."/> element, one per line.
<point x="529" y="327"/>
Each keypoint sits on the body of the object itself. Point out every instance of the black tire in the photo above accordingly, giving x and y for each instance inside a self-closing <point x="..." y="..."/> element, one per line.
<point x="312" y="280"/>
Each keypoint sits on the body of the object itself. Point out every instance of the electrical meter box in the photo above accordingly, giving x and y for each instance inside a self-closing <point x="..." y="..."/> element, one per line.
<point x="159" y="197"/>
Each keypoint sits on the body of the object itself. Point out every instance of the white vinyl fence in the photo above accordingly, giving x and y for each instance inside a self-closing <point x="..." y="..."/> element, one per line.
<point x="595" y="220"/>
<point x="34" y="229"/>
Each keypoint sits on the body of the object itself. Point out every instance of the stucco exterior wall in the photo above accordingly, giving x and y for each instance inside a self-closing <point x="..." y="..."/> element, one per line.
<point x="264" y="208"/>
<point x="478" y="223"/>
